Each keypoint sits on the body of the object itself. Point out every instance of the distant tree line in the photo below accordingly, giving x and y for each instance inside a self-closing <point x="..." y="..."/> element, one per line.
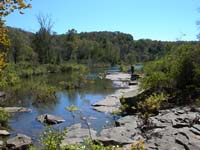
<point x="45" y="47"/>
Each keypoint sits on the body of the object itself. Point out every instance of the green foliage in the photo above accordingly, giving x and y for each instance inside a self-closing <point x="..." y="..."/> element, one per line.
<point x="72" y="108"/>
<point x="43" y="92"/>
<point x="4" y="117"/>
<point x="138" y="145"/>
<point x="152" y="104"/>
<point x="9" y="78"/>
<point x="90" y="145"/>
<point x="52" y="138"/>
<point x="177" y="72"/>
<point x="149" y="107"/>
<point x="123" y="68"/>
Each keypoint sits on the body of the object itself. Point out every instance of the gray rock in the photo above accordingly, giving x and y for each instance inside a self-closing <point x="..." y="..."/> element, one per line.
<point x="197" y="127"/>
<point x="76" y="134"/>
<point x="2" y="94"/>
<point x="128" y="120"/>
<point x="4" y="133"/>
<point x="19" y="142"/>
<point x="1" y="144"/>
<point x="16" y="109"/>
<point x="107" y="105"/>
<point x="49" y="119"/>
<point x="182" y="139"/>
<point x="116" y="136"/>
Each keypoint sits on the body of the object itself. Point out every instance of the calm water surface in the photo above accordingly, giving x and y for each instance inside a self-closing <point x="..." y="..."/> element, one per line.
<point x="26" y="123"/>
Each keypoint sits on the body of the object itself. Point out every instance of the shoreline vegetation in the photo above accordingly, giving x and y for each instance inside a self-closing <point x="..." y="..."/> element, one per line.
<point x="166" y="88"/>
<point x="170" y="78"/>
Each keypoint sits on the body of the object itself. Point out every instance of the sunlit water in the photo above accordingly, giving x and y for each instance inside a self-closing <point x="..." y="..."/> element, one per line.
<point x="26" y="123"/>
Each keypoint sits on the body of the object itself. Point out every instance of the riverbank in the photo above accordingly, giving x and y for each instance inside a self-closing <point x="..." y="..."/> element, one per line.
<point x="176" y="128"/>
<point x="111" y="103"/>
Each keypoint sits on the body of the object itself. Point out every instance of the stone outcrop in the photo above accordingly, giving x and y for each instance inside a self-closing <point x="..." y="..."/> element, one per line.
<point x="49" y="119"/>
<point x="19" y="142"/>
<point x="112" y="103"/>
<point x="16" y="109"/>
<point x="76" y="134"/>
<point x="4" y="133"/>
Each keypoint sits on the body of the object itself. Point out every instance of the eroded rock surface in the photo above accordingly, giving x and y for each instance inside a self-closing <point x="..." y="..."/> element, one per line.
<point x="77" y="134"/>
<point x="21" y="142"/>
<point x="16" y="109"/>
<point x="112" y="103"/>
<point x="50" y="119"/>
<point x="4" y="133"/>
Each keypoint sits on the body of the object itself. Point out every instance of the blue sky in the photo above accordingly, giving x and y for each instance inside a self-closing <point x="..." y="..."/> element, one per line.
<point x="166" y="20"/>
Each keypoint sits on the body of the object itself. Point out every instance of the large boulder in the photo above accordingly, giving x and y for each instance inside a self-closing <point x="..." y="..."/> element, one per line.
<point x="49" y="119"/>
<point x="19" y="142"/>
<point x="76" y="134"/>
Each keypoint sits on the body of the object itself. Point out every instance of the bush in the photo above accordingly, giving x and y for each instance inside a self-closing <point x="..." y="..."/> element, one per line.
<point x="91" y="145"/>
<point x="177" y="73"/>
<point x="138" y="145"/>
<point x="4" y="117"/>
<point x="52" y="139"/>
<point x="42" y="92"/>
<point x="150" y="107"/>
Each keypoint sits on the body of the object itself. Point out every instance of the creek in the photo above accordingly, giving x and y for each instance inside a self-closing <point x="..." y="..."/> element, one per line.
<point x="26" y="123"/>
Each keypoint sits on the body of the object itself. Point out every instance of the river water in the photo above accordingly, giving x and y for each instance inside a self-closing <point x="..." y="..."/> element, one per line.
<point x="26" y="123"/>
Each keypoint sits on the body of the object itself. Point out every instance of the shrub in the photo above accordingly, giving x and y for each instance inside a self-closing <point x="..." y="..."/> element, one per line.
<point x="4" y="117"/>
<point x="91" y="145"/>
<point x="176" y="73"/>
<point x="43" y="92"/>
<point x="51" y="139"/>
<point x="149" y="107"/>
<point x="138" y="145"/>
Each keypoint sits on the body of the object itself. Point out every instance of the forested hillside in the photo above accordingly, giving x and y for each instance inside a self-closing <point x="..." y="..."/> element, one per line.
<point x="105" y="47"/>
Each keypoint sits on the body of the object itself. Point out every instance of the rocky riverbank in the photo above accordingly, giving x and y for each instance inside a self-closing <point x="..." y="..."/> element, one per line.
<point x="177" y="128"/>
<point x="171" y="129"/>
<point x="111" y="102"/>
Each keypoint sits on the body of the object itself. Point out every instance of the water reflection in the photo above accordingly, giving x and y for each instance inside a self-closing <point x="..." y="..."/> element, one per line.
<point x="82" y="98"/>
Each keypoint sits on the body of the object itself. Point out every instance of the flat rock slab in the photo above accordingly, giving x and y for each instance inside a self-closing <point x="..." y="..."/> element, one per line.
<point x="21" y="142"/>
<point x="116" y="136"/>
<point x="1" y="144"/>
<point x="108" y="101"/>
<point x="4" y="133"/>
<point x="16" y="109"/>
<point x="112" y="103"/>
<point x="118" y="76"/>
<point x="106" y="109"/>
<point x="49" y="119"/>
<point x="127" y="120"/>
<point x="132" y="93"/>
<point x="76" y="134"/>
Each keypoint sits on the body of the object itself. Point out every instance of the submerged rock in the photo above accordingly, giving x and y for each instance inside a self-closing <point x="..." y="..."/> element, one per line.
<point x="49" y="119"/>
<point x="21" y="142"/>
<point x="76" y="134"/>
<point x="16" y="109"/>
